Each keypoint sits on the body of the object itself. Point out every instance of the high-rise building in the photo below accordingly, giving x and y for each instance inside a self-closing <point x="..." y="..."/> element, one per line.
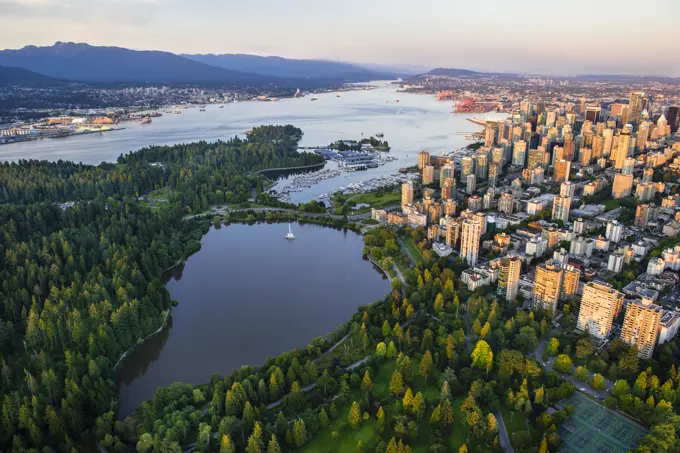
<point x="608" y="136"/>
<point x="452" y="231"/>
<point x="592" y="113"/>
<point x="407" y="193"/>
<point x="482" y="170"/>
<point x="615" y="262"/>
<point x="567" y="189"/>
<point x="561" y="206"/>
<point x="508" y="277"/>
<point x="599" y="305"/>
<point x="506" y="203"/>
<point x="614" y="231"/>
<point x="636" y="105"/>
<point x="423" y="159"/>
<point x="471" y="234"/>
<point x="450" y="207"/>
<point x="661" y="126"/>
<point x="643" y="215"/>
<point x="519" y="150"/>
<point x="570" y="281"/>
<point x="562" y="170"/>
<point x="622" y="186"/>
<point x="446" y="172"/>
<point x="490" y="132"/>
<point x="536" y="158"/>
<point x="628" y="166"/>
<point x="648" y="175"/>
<point x="586" y="156"/>
<point x="673" y="117"/>
<point x="621" y="152"/>
<point x="641" y="326"/>
<point x="428" y="175"/>
<point x="471" y="185"/>
<point x="467" y="165"/>
<point x="547" y="285"/>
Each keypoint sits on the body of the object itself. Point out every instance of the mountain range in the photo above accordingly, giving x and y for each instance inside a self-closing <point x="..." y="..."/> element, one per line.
<point x="290" y="68"/>
<point x="107" y="65"/>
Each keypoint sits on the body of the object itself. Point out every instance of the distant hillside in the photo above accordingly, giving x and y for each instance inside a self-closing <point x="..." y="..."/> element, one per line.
<point x="453" y="72"/>
<point x="11" y="76"/>
<point x="83" y="62"/>
<point x="284" y="67"/>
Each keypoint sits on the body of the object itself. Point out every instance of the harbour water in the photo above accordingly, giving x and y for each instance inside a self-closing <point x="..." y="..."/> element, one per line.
<point x="414" y="123"/>
<point x="249" y="294"/>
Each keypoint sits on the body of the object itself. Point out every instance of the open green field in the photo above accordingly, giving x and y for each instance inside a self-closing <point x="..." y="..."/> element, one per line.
<point x="595" y="429"/>
<point x="413" y="250"/>
<point x="376" y="199"/>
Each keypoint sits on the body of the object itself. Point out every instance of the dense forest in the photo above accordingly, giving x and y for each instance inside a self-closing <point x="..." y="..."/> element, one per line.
<point x="81" y="283"/>
<point x="204" y="174"/>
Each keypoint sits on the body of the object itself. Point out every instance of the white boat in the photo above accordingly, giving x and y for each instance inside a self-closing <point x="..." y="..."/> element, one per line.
<point x="290" y="234"/>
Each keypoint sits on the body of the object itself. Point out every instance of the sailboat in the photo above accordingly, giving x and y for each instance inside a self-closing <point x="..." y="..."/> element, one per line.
<point x="290" y="234"/>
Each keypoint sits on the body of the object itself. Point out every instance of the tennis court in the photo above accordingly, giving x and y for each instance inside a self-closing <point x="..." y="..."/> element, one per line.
<point x="595" y="429"/>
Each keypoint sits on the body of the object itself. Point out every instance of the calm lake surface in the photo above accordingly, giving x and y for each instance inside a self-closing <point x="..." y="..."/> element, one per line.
<point x="414" y="123"/>
<point x="248" y="294"/>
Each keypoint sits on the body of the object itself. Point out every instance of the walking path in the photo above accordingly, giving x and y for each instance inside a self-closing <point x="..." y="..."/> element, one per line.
<point x="503" y="433"/>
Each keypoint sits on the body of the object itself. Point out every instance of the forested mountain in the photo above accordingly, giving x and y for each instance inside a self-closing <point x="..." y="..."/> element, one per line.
<point x="97" y="64"/>
<point x="287" y="67"/>
<point x="11" y="76"/>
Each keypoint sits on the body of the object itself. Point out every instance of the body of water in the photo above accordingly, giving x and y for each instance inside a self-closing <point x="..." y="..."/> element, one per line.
<point x="249" y="294"/>
<point x="414" y="123"/>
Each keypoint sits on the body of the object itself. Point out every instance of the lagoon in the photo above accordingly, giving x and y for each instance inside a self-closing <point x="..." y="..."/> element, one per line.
<point x="249" y="294"/>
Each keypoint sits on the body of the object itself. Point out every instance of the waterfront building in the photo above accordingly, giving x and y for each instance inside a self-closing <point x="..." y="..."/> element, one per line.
<point x="428" y="175"/>
<point x="423" y="159"/>
<point x="641" y="326"/>
<point x="600" y="304"/>
<point x="407" y="193"/>
<point x="379" y="214"/>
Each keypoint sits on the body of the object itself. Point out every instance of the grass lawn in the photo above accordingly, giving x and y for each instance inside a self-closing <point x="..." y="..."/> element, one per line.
<point x="515" y="422"/>
<point x="323" y="441"/>
<point x="413" y="249"/>
<point x="376" y="199"/>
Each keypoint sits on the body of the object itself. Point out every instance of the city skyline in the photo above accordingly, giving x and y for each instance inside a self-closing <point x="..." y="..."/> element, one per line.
<point x="387" y="33"/>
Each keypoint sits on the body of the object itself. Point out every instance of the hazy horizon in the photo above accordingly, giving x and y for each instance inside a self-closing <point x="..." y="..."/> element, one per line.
<point x="524" y="36"/>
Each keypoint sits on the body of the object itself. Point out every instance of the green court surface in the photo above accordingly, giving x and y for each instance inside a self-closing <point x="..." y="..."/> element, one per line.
<point x="595" y="429"/>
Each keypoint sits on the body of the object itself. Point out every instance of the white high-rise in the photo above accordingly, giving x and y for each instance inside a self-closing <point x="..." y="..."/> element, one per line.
<point x="471" y="234"/>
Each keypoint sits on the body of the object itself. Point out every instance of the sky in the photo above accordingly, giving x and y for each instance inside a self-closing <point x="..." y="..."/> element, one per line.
<point x="562" y="37"/>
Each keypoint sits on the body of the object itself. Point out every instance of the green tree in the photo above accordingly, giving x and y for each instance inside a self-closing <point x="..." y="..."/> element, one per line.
<point x="227" y="445"/>
<point x="273" y="446"/>
<point x="299" y="433"/>
<point x="563" y="363"/>
<point x="380" y="421"/>
<point x="482" y="356"/>
<point x="367" y="383"/>
<point x="354" y="416"/>
<point x="598" y="382"/>
<point x="426" y="365"/>
<point x="397" y="384"/>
